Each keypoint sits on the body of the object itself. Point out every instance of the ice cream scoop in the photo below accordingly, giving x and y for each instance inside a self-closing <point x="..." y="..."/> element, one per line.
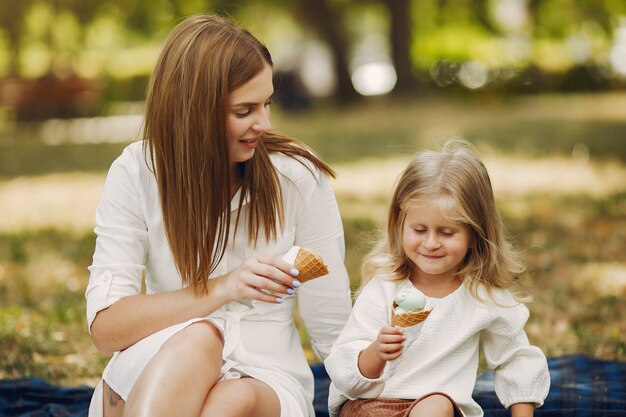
<point x="408" y="307"/>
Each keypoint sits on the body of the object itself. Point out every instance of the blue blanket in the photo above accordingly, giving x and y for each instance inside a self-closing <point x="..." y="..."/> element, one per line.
<point x="582" y="386"/>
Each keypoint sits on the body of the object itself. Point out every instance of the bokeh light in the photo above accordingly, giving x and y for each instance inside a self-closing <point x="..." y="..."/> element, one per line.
<point x="375" y="78"/>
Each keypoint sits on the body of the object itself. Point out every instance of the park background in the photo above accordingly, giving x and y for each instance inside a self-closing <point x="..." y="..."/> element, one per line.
<point x="538" y="86"/>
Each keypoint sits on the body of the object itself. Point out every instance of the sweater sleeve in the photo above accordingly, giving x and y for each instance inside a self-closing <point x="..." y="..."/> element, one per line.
<point x="368" y="316"/>
<point x="520" y="369"/>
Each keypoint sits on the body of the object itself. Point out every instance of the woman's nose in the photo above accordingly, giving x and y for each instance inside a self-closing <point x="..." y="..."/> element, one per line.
<point x="263" y="124"/>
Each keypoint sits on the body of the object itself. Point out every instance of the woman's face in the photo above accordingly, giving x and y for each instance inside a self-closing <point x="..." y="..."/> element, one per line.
<point x="249" y="115"/>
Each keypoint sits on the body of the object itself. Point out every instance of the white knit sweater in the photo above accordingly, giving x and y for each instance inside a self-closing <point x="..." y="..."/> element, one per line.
<point x="444" y="357"/>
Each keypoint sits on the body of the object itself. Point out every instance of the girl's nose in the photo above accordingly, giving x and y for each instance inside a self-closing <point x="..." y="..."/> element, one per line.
<point x="431" y="242"/>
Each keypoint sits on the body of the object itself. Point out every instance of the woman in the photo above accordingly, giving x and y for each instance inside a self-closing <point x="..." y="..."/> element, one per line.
<point x="203" y="210"/>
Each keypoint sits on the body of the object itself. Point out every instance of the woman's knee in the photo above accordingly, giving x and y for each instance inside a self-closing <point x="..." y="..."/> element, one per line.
<point x="201" y="336"/>
<point x="243" y="397"/>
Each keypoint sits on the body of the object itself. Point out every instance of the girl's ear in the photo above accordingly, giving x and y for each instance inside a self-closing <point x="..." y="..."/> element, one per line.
<point x="473" y="241"/>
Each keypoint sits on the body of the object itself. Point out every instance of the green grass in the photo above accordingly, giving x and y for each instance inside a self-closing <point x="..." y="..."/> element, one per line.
<point x="570" y="225"/>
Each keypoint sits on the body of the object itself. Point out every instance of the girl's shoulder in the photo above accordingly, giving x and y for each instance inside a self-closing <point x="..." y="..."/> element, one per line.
<point x="503" y="308"/>
<point x="493" y="297"/>
<point x="378" y="287"/>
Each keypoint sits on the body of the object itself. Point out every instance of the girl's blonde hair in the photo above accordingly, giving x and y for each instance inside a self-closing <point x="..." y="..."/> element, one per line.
<point x="204" y="59"/>
<point x="458" y="182"/>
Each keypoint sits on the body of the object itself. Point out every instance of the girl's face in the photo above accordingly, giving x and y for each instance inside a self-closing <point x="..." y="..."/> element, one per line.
<point x="249" y="115"/>
<point x="435" y="244"/>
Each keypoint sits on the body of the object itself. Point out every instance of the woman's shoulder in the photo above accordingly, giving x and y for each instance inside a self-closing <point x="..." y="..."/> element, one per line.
<point x="131" y="155"/>
<point x="295" y="168"/>
<point x="132" y="166"/>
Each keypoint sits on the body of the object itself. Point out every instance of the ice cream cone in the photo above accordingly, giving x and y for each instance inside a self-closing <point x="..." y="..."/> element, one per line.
<point x="408" y="319"/>
<point x="310" y="265"/>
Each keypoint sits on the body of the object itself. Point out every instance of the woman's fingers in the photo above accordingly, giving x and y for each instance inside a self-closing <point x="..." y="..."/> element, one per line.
<point x="280" y="271"/>
<point x="262" y="274"/>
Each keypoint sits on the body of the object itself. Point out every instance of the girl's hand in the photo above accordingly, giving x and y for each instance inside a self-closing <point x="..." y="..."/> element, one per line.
<point x="261" y="272"/>
<point x="387" y="347"/>
<point x="389" y="343"/>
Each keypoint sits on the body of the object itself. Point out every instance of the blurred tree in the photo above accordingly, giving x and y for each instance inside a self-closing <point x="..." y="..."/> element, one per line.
<point x="400" y="38"/>
<point x="326" y="20"/>
<point x="421" y="32"/>
<point x="11" y="17"/>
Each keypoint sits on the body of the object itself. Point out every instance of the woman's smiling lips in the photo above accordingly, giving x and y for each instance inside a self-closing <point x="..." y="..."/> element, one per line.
<point x="250" y="143"/>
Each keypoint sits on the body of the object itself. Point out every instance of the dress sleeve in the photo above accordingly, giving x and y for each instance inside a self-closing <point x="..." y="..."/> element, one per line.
<point x="324" y="303"/>
<point x="121" y="239"/>
<point x="368" y="316"/>
<point x="520" y="369"/>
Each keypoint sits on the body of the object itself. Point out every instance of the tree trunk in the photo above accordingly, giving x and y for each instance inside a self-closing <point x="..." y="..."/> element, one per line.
<point x="327" y="24"/>
<point x="401" y="39"/>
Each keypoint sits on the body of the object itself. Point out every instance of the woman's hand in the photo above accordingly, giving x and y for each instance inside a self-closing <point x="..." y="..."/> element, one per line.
<point x="258" y="274"/>
<point x="387" y="347"/>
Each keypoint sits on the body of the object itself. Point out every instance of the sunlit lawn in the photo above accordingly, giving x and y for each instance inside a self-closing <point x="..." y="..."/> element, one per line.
<point x="558" y="165"/>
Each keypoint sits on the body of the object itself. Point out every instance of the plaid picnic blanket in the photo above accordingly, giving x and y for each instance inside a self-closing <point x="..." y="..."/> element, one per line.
<point x="582" y="386"/>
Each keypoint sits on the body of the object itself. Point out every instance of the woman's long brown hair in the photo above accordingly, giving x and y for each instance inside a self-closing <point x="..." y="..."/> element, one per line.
<point x="204" y="59"/>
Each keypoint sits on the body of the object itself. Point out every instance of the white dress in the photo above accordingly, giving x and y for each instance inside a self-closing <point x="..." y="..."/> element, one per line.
<point x="261" y="340"/>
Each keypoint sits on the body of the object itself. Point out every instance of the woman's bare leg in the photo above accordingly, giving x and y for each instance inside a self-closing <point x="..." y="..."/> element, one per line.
<point x="244" y="397"/>
<point x="113" y="403"/>
<point x="176" y="381"/>
<point x="433" y="406"/>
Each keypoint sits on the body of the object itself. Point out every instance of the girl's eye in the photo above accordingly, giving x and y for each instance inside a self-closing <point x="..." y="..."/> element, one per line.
<point x="419" y="230"/>
<point x="447" y="233"/>
<point x="267" y="103"/>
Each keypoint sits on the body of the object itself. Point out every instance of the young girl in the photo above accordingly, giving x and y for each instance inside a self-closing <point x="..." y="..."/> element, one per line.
<point x="445" y="238"/>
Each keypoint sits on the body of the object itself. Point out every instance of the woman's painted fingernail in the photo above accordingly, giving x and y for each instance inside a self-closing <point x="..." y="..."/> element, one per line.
<point x="296" y="283"/>
<point x="294" y="272"/>
<point x="279" y="300"/>
<point x="291" y="291"/>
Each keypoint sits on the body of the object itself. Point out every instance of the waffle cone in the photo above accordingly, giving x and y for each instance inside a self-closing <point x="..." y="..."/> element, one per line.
<point x="310" y="265"/>
<point x="408" y="319"/>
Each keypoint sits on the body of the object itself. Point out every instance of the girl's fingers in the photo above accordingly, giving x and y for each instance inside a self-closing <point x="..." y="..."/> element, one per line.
<point x="396" y="330"/>
<point x="391" y="352"/>
<point x="391" y="338"/>
<point x="392" y="356"/>
<point x="391" y="347"/>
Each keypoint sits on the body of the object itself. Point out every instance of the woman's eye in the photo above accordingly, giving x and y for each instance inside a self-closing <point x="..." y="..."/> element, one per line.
<point x="241" y="114"/>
